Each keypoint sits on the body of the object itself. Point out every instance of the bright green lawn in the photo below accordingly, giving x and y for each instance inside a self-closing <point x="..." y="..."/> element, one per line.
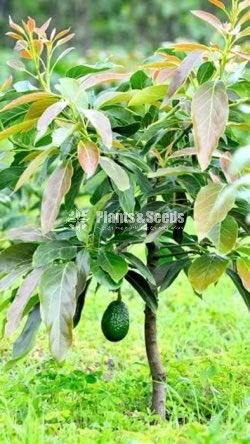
<point x="101" y="394"/>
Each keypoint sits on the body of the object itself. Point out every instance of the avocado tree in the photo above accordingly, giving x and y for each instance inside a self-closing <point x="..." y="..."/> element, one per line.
<point x="111" y="159"/>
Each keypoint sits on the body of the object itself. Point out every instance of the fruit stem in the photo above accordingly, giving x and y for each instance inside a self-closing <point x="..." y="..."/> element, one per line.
<point x="119" y="295"/>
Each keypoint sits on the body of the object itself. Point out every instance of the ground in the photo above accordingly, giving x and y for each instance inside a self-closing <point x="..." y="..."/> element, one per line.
<point x="102" y="393"/>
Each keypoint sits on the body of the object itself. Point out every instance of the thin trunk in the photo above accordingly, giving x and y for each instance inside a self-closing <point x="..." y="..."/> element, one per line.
<point x="158" y="375"/>
<point x="157" y="370"/>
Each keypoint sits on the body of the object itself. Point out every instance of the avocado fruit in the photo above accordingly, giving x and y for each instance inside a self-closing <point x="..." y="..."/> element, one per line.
<point x="115" y="321"/>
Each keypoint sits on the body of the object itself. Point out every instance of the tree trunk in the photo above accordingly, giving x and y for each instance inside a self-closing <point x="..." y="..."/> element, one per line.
<point x="158" y="375"/>
<point x="157" y="371"/>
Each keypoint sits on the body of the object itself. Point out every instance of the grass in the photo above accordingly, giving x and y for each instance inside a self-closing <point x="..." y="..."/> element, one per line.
<point x="102" y="393"/>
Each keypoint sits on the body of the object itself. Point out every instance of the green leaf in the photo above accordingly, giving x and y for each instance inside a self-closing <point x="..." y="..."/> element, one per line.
<point x="173" y="171"/>
<point x="49" y="116"/>
<point x="24" y="86"/>
<point x="82" y="70"/>
<point x="108" y="98"/>
<point x="36" y="109"/>
<point x="25" y="342"/>
<point x="23" y="295"/>
<point x="210" y="111"/>
<point x="126" y="200"/>
<point x="166" y="274"/>
<point x="104" y="278"/>
<point x="141" y="267"/>
<point x="83" y="268"/>
<point x="49" y="251"/>
<point x="6" y="159"/>
<point x="142" y="287"/>
<point x="206" y="270"/>
<point x="57" y="187"/>
<point x="71" y="91"/>
<point x="26" y="233"/>
<point x="211" y="207"/>
<point x="114" y="265"/>
<point x="83" y="232"/>
<point x="58" y="305"/>
<point x="72" y="194"/>
<point x="205" y="72"/>
<point x="243" y="268"/>
<point x="9" y="177"/>
<point x="101" y="124"/>
<point x="13" y="277"/>
<point x="148" y="95"/>
<point x="138" y="80"/>
<point x="116" y="173"/>
<point x="238" y="284"/>
<point x="80" y="304"/>
<point x="18" y="128"/>
<point x="15" y="256"/>
<point x="224" y="235"/>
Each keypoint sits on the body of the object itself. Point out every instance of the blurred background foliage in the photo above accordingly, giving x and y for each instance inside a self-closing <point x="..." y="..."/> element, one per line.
<point x="118" y="25"/>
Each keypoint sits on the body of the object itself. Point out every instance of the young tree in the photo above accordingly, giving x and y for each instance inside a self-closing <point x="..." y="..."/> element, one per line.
<point x="157" y="148"/>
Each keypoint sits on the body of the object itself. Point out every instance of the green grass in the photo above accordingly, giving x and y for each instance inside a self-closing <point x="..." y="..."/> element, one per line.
<point x="102" y="393"/>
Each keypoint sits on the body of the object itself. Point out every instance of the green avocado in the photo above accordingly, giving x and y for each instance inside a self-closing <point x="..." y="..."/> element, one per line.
<point x="115" y="321"/>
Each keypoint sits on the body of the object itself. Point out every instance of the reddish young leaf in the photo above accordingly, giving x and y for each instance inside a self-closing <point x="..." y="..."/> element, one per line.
<point x="210" y="112"/>
<point x="182" y="73"/>
<point x="242" y="55"/>
<point x="20" y="45"/>
<point x="218" y="3"/>
<point x="88" y="156"/>
<point x="96" y="79"/>
<point x="61" y="34"/>
<point x="25" y="54"/>
<point x="16" y="27"/>
<point x="163" y="75"/>
<point x="38" y="46"/>
<point x="209" y="18"/>
<point x="26" y="233"/>
<point x="101" y="124"/>
<point x="16" y="64"/>
<point x="190" y="46"/>
<point x="14" y="36"/>
<point x="31" y="24"/>
<point x="57" y="187"/>
<point x="42" y="29"/>
<point x="27" y="98"/>
<point x="25" y="292"/>
<point x="49" y="115"/>
<point x="65" y="39"/>
<point x="32" y="167"/>
<point x="244" y="5"/>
